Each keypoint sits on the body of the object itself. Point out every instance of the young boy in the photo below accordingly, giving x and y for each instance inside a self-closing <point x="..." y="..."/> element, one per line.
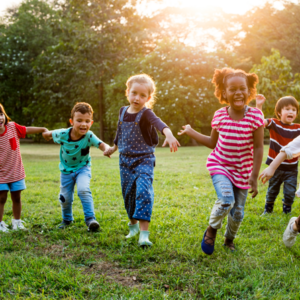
<point x="282" y="131"/>
<point x="75" y="163"/>
<point x="290" y="151"/>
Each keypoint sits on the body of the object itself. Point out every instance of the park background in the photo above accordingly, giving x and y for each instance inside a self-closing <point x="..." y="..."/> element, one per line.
<point x="56" y="53"/>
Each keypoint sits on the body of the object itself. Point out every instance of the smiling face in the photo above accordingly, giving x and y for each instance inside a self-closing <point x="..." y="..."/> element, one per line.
<point x="81" y="123"/>
<point x="288" y="114"/>
<point x="236" y="92"/>
<point x="138" y="96"/>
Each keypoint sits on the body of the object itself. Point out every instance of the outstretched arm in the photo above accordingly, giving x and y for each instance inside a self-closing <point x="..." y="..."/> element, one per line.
<point x="260" y="100"/>
<point x="208" y="141"/>
<point x="34" y="130"/>
<point x="258" y="151"/>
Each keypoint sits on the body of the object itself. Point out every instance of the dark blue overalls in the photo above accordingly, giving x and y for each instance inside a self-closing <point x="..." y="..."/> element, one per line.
<point x="136" y="168"/>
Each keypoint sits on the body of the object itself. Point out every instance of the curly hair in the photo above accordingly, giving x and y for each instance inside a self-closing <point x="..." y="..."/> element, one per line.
<point x="143" y="79"/>
<point x="220" y="77"/>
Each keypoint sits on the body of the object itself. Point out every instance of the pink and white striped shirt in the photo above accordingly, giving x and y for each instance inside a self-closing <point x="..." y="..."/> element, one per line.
<point x="233" y="154"/>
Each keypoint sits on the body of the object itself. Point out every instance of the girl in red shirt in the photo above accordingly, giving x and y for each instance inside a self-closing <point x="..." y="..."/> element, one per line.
<point x="12" y="172"/>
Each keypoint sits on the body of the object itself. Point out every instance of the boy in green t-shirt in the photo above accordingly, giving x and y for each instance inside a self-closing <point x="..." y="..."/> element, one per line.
<point x="75" y="163"/>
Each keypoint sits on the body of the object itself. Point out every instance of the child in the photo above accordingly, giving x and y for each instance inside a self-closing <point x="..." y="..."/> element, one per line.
<point x="290" y="151"/>
<point x="75" y="163"/>
<point x="136" y="140"/>
<point x="12" y="172"/>
<point x="282" y="131"/>
<point x="237" y="140"/>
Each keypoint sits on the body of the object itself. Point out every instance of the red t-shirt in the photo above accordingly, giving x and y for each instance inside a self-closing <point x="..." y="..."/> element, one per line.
<point x="11" y="166"/>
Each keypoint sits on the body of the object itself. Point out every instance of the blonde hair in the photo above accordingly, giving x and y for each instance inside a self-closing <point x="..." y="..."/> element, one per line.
<point x="143" y="79"/>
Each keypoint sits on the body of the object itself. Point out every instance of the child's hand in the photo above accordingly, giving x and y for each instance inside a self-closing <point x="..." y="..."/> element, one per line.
<point x="253" y="184"/>
<point x="185" y="130"/>
<point x="171" y="140"/>
<point x="260" y="100"/>
<point x="266" y="174"/>
<point x="109" y="151"/>
<point x="47" y="135"/>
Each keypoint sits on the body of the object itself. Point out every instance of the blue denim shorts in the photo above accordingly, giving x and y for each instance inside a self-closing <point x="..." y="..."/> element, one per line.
<point x="13" y="186"/>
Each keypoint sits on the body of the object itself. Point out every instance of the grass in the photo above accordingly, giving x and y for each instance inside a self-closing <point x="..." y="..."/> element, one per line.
<point x="47" y="263"/>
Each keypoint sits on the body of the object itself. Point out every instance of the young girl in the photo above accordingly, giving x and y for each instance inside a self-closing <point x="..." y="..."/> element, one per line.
<point x="11" y="168"/>
<point x="237" y="140"/>
<point x="136" y="139"/>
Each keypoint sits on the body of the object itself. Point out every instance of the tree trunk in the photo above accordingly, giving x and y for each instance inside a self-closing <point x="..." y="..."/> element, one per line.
<point x="101" y="110"/>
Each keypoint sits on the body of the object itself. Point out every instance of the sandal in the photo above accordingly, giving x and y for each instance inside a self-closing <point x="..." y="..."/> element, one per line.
<point x="208" y="244"/>
<point x="229" y="244"/>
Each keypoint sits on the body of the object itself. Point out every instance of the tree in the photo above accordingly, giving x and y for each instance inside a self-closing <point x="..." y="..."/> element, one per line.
<point x="97" y="36"/>
<point x="185" y="94"/>
<point x="276" y="80"/>
<point x="24" y="34"/>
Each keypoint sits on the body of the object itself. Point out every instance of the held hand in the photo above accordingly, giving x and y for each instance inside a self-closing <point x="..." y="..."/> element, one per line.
<point x="109" y="151"/>
<point x="260" y="100"/>
<point x="173" y="143"/>
<point x="253" y="185"/>
<point x="266" y="174"/>
<point x="185" y="130"/>
<point x="47" y="135"/>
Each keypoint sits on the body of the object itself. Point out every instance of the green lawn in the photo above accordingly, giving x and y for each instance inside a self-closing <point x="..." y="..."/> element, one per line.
<point x="47" y="263"/>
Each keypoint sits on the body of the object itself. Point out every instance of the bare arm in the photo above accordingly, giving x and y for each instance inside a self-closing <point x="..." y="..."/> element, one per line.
<point x="260" y="100"/>
<point x="258" y="151"/>
<point x="34" y="130"/>
<point x="208" y="141"/>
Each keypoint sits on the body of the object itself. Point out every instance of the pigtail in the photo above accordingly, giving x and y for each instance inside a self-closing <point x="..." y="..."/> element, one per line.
<point x="219" y="82"/>
<point x="252" y="80"/>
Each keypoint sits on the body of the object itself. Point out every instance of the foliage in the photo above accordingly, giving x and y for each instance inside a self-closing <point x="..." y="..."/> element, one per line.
<point x="276" y="80"/>
<point x="183" y="77"/>
<point x="24" y="34"/>
<point x="46" y="263"/>
<point x="254" y="34"/>
<point x="96" y="37"/>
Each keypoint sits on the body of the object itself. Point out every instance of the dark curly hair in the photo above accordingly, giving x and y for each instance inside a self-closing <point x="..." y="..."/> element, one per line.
<point x="83" y="108"/>
<point x="220" y="77"/>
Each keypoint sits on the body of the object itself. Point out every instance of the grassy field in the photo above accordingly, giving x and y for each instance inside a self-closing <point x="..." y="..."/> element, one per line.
<point x="47" y="263"/>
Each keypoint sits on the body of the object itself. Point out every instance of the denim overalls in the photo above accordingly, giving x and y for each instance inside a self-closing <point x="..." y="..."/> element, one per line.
<point x="136" y="168"/>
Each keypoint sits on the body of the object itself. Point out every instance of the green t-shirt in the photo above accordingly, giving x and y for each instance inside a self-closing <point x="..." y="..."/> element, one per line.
<point x="74" y="154"/>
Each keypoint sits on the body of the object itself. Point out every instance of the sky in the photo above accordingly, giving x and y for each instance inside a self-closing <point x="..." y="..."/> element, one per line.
<point x="229" y="6"/>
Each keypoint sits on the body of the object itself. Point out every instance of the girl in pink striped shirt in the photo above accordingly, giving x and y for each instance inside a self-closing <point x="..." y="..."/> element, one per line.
<point x="237" y="142"/>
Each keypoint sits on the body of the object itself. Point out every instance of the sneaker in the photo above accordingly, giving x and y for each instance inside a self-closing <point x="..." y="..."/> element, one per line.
<point x="289" y="236"/>
<point x="92" y="225"/>
<point x="287" y="209"/>
<point x="17" y="224"/>
<point x="64" y="224"/>
<point x="268" y="208"/>
<point x="3" y="227"/>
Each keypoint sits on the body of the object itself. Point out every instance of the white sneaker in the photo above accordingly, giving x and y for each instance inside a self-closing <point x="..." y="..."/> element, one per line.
<point x="289" y="236"/>
<point x="17" y="224"/>
<point x="3" y="227"/>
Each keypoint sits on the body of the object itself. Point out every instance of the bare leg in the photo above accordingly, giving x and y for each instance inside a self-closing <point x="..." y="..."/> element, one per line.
<point x="144" y="225"/>
<point x="210" y="236"/>
<point x="16" y="204"/>
<point x="3" y="197"/>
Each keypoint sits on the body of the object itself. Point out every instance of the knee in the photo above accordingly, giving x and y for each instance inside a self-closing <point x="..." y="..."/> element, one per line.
<point x="64" y="200"/>
<point x="83" y="192"/>
<point x="238" y="214"/>
<point x="221" y="208"/>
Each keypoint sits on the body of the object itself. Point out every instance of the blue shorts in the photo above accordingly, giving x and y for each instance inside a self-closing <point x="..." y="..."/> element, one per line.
<point x="13" y="186"/>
